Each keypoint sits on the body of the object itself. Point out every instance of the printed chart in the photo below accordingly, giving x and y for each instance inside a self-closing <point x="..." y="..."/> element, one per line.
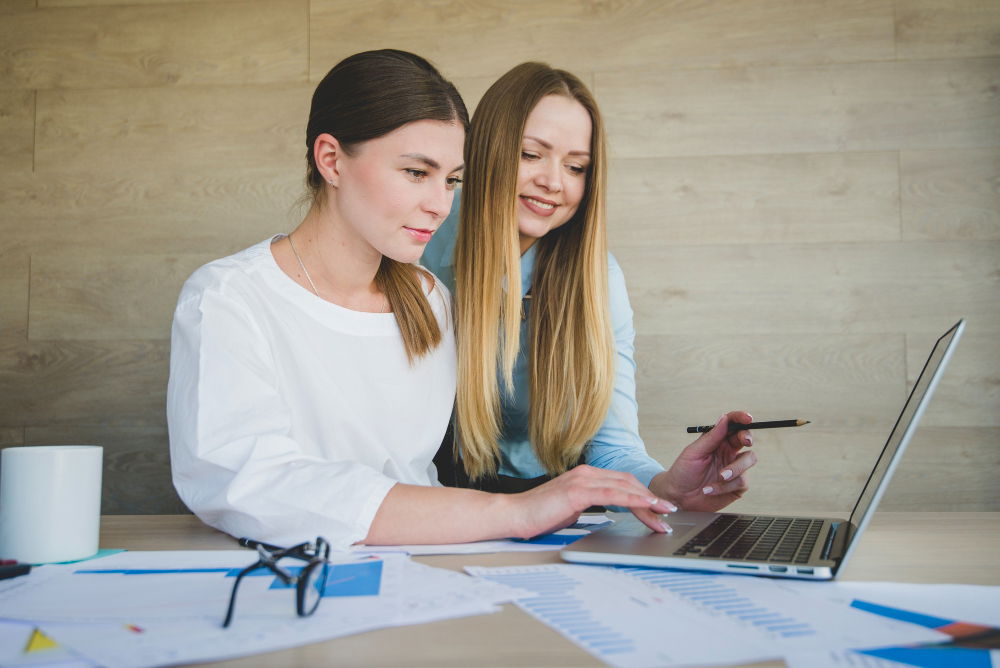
<point x="657" y="617"/>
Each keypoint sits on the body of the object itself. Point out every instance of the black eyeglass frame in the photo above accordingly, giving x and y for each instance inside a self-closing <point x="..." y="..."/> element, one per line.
<point x="316" y="555"/>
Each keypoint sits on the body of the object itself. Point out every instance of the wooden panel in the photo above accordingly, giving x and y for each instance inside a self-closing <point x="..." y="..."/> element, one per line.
<point x="9" y="6"/>
<point x="17" y="130"/>
<point x="107" y="297"/>
<point x="956" y="28"/>
<point x="788" y="288"/>
<point x="950" y="468"/>
<point x="13" y="295"/>
<point x="834" y="381"/>
<point x="91" y="3"/>
<point x="856" y="107"/>
<point x="136" y="466"/>
<point x="950" y="194"/>
<point x="491" y="37"/>
<point x="969" y="392"/>
<point x="472" y="89"/>
<point x="121" y="132"/>
<point x="11" y="436"/>
<point x="107" y="383"/>
<point x="96" y="47"/>
<point x="210" y="211"/>
<point x="754" y="199"/>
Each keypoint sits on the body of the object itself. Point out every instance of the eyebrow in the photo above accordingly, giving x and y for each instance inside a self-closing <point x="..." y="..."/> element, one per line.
<point x="547" y="145"/>
<point x="430" y="162"/>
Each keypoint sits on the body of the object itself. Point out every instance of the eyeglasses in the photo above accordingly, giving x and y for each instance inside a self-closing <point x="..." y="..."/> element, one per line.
<point x="309" y="581"/>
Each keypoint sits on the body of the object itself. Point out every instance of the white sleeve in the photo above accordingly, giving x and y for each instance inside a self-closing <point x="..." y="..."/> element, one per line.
<point x="233" y="459"/>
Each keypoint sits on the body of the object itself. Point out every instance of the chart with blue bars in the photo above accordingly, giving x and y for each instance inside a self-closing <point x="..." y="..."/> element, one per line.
<point x="656" y="617"/>
<point x="717" y="594"/>
<point x="619" y="620"/>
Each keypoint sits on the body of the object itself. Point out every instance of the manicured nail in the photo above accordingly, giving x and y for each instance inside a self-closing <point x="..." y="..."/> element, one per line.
<point x="727" y="474"/>
<point x="667" y="527"/>
<point x="707" y="490"/>
<point x="666" y="504"/>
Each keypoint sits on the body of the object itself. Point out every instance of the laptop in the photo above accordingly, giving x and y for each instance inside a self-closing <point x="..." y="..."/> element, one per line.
<point x="813" y="548"/>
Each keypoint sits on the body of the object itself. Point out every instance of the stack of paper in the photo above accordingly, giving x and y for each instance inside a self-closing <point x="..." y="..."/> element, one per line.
<point x="154" y="608"/>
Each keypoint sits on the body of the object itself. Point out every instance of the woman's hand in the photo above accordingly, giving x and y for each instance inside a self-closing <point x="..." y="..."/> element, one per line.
<point x="559" y="502"/>
<point x="710" y="473"/>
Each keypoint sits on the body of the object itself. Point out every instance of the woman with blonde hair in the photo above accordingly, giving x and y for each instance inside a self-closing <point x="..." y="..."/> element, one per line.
<point x="556" y="388"/>
<point x="312" y="375"/>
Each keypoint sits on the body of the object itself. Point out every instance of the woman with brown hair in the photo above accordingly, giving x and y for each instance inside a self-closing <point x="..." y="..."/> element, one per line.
<point x="312" y="375"/>
<point x="556" y="388"/>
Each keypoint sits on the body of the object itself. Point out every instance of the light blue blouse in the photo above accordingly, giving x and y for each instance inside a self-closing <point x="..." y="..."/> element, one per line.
<point x="617" y="444"/>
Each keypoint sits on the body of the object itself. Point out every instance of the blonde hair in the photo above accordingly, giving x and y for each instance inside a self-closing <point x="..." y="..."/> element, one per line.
<point x="572" y="354"/>
<point x="366" y="96"/>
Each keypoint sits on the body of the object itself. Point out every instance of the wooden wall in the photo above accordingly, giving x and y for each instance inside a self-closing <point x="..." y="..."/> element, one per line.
<point x="803" y="194"/>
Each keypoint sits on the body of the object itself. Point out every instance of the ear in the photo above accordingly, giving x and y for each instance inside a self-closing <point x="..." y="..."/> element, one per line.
<point x="327" y="153"/>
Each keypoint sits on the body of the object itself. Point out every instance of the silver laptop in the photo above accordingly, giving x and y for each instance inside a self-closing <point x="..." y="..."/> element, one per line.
<point x="776" y="546"/>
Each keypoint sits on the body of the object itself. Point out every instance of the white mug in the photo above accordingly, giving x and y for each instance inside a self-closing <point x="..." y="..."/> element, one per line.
<point x="50" y="502"/>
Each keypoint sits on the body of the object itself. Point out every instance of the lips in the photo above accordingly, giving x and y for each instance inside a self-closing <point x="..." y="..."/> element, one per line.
<point x="421" y="235"/>
<point x="538" y="205"/>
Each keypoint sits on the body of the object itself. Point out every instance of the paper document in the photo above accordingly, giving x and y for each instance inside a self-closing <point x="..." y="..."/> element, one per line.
<point x="156" y="608"/>
<point x="968" y="615"/>
<point x="660" y="617"/>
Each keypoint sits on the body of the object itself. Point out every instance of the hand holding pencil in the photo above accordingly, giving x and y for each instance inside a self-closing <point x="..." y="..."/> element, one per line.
<point x="711" y="472"/>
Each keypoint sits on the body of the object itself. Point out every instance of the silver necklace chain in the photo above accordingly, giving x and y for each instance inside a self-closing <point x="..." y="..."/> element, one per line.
<point x="303" y="267"/>
<point x="386" y="308"/>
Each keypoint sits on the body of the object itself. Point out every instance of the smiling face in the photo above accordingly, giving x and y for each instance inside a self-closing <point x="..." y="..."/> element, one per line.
<point x="555" y="157"/>
<point x="392" y="192"/>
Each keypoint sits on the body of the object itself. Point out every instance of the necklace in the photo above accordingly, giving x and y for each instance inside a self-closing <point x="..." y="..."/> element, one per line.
<point x="303" y="267"/>
<point x="386" y="307"/>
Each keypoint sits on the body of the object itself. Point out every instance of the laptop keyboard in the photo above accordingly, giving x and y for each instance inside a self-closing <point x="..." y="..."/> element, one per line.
<point x="750" y="538"/>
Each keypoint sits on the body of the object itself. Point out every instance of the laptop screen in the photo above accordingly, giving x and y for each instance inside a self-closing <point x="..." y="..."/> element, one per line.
<point x="906" y="423"/>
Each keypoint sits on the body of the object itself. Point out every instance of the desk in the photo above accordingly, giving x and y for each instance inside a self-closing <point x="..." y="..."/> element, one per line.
<point x="968" y="541"/>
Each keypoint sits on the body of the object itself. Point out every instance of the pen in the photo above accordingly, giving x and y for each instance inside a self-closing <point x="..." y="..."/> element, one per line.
<point x="736" y="426"/>
<point x="252" y="544"/>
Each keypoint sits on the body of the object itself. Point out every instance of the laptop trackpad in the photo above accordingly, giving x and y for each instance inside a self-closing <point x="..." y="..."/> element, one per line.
<point x="628" y="533"/>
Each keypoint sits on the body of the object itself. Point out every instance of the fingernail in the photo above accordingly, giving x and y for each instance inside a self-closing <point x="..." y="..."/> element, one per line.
<point x="707" y="490"/>
<point x="666" y="504"/>
<point x="667" y="527"/>
<point x="727" y="474"/>
<point x="749" y="441"/>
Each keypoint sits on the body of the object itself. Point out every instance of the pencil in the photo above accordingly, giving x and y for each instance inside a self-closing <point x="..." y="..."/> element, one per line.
<point x="736" y="426"/>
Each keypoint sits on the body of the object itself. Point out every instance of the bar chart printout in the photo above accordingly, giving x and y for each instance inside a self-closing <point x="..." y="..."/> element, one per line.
<point x="618" y="619"/>
<point x="640" y="616"/>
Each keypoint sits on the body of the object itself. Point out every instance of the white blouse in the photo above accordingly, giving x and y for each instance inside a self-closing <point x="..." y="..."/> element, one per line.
<point x="291" y="417"/>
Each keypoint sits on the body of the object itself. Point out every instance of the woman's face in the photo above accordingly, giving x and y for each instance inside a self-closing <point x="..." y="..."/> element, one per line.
<point x="555" y="157"/>
<point x="394" y="191"/>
